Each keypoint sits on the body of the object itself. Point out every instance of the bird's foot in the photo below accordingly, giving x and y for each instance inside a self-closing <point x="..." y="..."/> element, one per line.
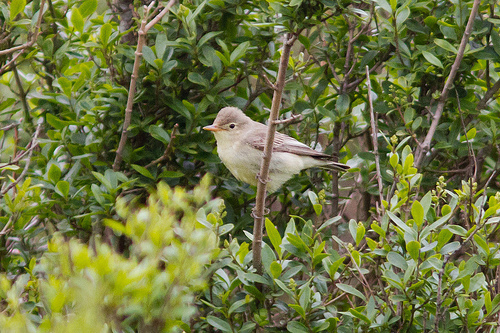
<point x="262" y="181"/>
<point x="255" y="216"/>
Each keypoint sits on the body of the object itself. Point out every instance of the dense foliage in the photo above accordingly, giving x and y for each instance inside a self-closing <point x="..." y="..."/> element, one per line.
<point x="410" y="247"/>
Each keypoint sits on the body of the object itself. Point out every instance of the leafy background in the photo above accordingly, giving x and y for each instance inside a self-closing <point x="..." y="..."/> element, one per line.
<point x="422" y="255"/>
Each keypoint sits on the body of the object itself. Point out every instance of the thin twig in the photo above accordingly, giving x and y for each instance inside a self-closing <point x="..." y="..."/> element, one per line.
<point x="8" y="127"/>
<point x="268" y="82"/>
<point x="268" y="149"/>
<point x="488" y="95"/>
<point x="135" y="74"/>
<point x="34" y="143"/>
<point x="469" y="144"/>
<point x="166" y="154"/>
<point x="374" y="139"/>
<point x="293" y="118"/>
<point x="33" y="38"/>
<point x="422" y="150"/>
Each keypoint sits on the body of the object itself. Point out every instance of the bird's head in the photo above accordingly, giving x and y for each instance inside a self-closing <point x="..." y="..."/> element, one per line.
<point x="229" y="120"/>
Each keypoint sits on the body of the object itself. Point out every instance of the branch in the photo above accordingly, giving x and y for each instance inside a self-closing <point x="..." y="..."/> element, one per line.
<point x="33" y="37"/>
<point x="167" y="150"/>
<point x="422" y="150"/>
<point x="293" y="118"/>
<point x="24" y="46"/>
<point x="135" y="74"/>
<point x="33" y="145"/>
<point x="488" y="95"/>
<point x="374" y="139"/>
<point x="263" y="175"/>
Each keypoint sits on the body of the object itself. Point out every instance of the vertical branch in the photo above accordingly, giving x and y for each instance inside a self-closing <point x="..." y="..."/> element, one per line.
<point x="268" y="148"/>
<point x="135" y="74"/>
<point x="374" y="138"/>
<point x="424" y="148"/>
<point x="336" y="144"/>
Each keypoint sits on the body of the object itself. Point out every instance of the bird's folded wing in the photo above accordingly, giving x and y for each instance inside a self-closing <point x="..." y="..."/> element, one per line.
<point x="286" y="144"/>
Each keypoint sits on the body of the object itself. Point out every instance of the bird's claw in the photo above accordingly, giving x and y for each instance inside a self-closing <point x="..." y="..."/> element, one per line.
<point x="255" y="216"/>
<point x="262" y="181"/>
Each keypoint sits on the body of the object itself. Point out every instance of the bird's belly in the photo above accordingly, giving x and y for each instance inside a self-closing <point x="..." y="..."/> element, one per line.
<point x="243" y="161"/>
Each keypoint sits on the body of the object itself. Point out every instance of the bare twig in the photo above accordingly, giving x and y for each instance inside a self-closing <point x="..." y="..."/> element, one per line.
<point x="24" y="46"/>
<point x="374" y="139"/>
<point x="135" y="74"/>
<point x="293" y="117"/>
<point x="268" y="82"/>
<point x="8" y="127"/>
<point x="268" y="149"/>
<point x="34" y="143"/>
<point x="33" y="38"/>
<point x="426" y="144"/>
<point x="488" y="95"/>
<point x="166" y="154"/>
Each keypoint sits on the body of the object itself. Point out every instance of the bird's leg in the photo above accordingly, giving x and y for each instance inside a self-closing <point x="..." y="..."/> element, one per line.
<point x="266" y="211"/>
<point x="263" y="181"/>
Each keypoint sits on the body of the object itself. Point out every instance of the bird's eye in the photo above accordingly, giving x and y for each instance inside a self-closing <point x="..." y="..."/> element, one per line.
<point x="232" y="126"/>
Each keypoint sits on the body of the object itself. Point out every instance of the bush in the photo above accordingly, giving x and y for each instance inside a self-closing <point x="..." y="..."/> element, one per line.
<point x="81" y="288"/>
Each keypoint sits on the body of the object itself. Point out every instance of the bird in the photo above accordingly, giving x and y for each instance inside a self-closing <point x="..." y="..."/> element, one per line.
<point x="240" y="145"/>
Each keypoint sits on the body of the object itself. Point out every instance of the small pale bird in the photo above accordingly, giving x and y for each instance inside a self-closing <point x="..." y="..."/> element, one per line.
<point x="240" y="144"/>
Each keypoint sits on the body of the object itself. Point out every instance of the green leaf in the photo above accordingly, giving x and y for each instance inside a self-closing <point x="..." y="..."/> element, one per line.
<point x="413" y="248"/>
<point x="359" y="315"/>
<point x="197" y="78"/>
<point x="417" y="212"/>
<point x="88" y="7"/>
<point x="335" y="266"/>
<point x="171" y="174"/>
<point x="305" y="296"/>
<point x="432" y="59"/>
<point x="159" y="134"/>
<point x="434" y="226"/>
<point x="104" y="181"/>
<point x="236" y="305"/>
<point x="397" y="260"/>
<point x="457" y="230"/>
<point x="77" y="19"/>
<point x="65" y="85"/>
<point x="149" y="56"/>
<point x="274" y="236"/>
<point x="143" y="171"/>
<point x="62" y="188"/>
<point x="445" y="45"/>
<point x="219" y="324"/>
<point x="487" y="302"/>
<point x="360" y="233"/>
<point x="275" y="269"/>
<point x="399" y="222"/>
<point x="393" y="160"/>
<point x="295" y="326"/>
<point x="495" y="39"/>
<point x="351" y="290"/>
<point x="16" y="7"/>
<point x="375" y="227"/>
<point x="239" y="52"/>
<point x="54" y="173"/>
<point x="205" y="38"/>
<point x="481" y="242"/>
<point x="471" y="134"/>
<point x="96" y="191"/>
<point x="105" y="33"/>
<point x="342" y="104"/>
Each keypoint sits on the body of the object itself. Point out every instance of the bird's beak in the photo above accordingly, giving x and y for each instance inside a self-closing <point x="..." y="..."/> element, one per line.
<point x="212" y="128"/>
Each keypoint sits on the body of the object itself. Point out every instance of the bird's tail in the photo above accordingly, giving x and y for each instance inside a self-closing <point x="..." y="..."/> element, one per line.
<point x="336" y="166"/>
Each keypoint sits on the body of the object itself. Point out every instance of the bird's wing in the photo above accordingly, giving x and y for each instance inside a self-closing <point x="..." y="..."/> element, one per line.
<point x="282" y="143"/>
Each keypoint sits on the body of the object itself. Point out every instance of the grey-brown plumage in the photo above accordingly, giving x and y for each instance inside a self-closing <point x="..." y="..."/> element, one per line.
<point x="240" y="144"/>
